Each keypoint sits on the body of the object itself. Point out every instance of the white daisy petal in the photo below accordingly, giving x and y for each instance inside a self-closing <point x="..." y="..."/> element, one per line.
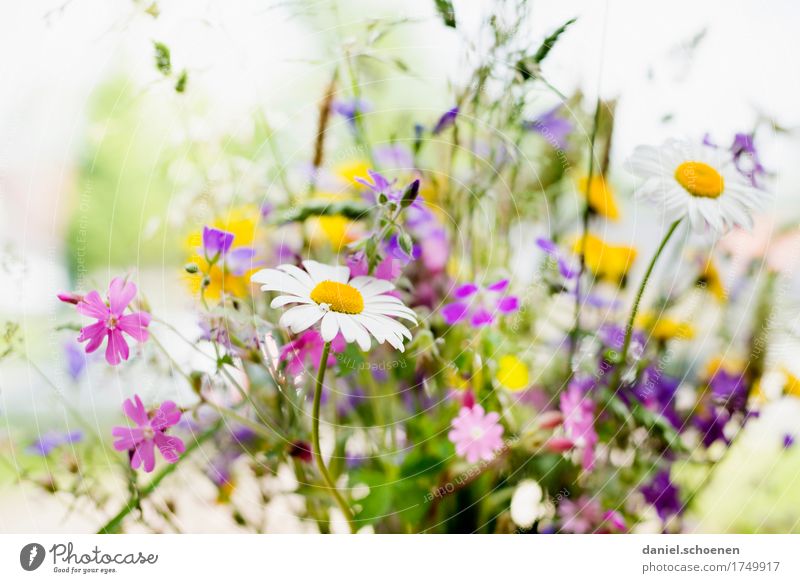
<point x="281" y="301"/>
<point x="680" y="178"/>
<point x="321" y="272"/>
<point x="330" y="327"/>
<point x="298" y="274"/>
<point x="301" y="318"/>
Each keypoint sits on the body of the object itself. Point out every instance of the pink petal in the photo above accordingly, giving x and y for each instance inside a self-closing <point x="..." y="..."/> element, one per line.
<point x="170" y="446"/>
<point x="120" y="294"/>
<point x="135" y="325"/>
<point x="165" y="416"/>
<point x="117" y="347"/>
<point x="482" y="317"/>
<point x="93" y="306"/>
<point x="95" y="334"/>
<point x="127" y="437"/>
<point x="499" y="286"/>
<point x="145" y="452"/>
<point x="135" y="411"/>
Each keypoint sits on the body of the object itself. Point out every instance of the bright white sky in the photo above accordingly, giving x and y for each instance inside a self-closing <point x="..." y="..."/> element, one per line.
<point x="245" y="53"/>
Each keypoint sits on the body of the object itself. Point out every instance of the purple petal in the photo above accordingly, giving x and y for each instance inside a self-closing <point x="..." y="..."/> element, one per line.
<point x="216" y="242"/>
<point x="482" y="317"/>
<point x="499" y="286"/>
<point x="455" y="312"/>
<point x="447" y="120"/>
<point x="465" y="290"/>
<point x="508" y="304"/>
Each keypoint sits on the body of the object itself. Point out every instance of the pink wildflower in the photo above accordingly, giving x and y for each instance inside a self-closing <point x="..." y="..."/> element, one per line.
<point x="306" y="350"/>
<point x="149" y="433"/>
<point x="476" y="434"/>
<point x="578" y="410"/>
<point x="112" y="320"/>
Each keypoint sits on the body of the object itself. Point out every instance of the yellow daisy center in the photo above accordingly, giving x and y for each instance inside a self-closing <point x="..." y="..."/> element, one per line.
<point x="338" y="297"/>
<point x="700" y="179"/>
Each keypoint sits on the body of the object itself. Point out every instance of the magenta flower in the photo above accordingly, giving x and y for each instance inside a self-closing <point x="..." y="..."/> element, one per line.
<point x="474" y="303"/>
<point x="216" y="242"/>
<point x="477" y="435"/>
<point x="148" y="434"/>
<point x="305" y="351"/>
<point x="578" y="410"/>
<point x="112" y="320"/>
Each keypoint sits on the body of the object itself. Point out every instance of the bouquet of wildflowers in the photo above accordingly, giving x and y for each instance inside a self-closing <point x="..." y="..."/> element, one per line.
<point x="421" y="326"/>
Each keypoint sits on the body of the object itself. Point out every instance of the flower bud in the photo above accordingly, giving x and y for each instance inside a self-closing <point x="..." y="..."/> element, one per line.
<point x="559" y="444"/>
<point x="191" y="268"/>
<point x="70" y="297"/>
<point x="550" y="419"/>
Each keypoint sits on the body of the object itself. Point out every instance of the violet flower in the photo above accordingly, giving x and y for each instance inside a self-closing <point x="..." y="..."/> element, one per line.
<point x="149" y="433"/>
<point x="52" y="440"/>
<point x="663" y="495"/>
<point x="216" y="243"/>
<point x="729" y="390"/>
<point x="565" y="267"/>
<point x="76" y="360"/>
<point x="350" y="109"/>
<point x="474" y="302"/>
<point x="112" y="321"/>
<point x="554" y="128"/>
<point x="447" y="120"/>
<point x="746" y="159"/>
<point x="710" y="422"/>
<point x="580" y="516"/>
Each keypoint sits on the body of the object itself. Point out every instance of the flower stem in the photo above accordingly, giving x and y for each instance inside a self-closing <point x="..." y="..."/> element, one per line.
<point x="635" y="309"/>
<point x="323" y="365"/>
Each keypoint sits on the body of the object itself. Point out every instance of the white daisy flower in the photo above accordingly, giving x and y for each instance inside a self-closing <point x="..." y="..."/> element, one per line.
<point x="357" y="307"/>
<point x="694" y="180"/>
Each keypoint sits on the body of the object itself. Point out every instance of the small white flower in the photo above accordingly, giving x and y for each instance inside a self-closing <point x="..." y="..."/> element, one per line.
<point x="693" y="180"/>
<point x="357" y="307"/>
<point x="526" y="503"/>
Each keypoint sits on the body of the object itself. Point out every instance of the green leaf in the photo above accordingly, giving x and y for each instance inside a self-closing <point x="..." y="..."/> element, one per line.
<point x="447" y="12"/>
<point x="322" y="208"/>
<point x="180" y="85"/>
<point x="163" y="59"/>
<point x="529" y="66"/>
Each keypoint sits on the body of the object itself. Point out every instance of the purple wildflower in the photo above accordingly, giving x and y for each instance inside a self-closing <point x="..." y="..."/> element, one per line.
<point x="350" y="109"/>
<point x="745" y="158"/>
<point x="474" y="302"/>
<point x="710" y="422"/>
<point x="76" y="360"/>
<point x="53" y="439"/>
<point x="663" y="495"/>
<point x="447" y="120"/>
<point x="554" y="128"/>
<point x="216" y="242"/>
<point x="788" y="441"/>
<point x="567" y="270"/>
<point x="729" y="390"/>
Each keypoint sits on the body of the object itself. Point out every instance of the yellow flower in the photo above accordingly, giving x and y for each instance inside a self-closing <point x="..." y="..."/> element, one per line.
<point x="352" y="169"/>
<point x="220" y="280"/>
<point x="663" y="328"/>
<point x="242" y="222"/>
<point x="455" y="379"/>
<point x="336" y="230"/>
<point x="512" y="373"/>
<point x="600" y="196"/>
<point x="729" y="365"/>
<point x="791" y="384"/>
<point x="710" y="280"/>
<point x="609" y="262"/>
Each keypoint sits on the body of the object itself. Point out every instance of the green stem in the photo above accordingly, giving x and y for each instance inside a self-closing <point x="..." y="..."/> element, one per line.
<point x="113" y="525"/>
<point x="323" y="365"/>
<point x="635" y="309"/>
